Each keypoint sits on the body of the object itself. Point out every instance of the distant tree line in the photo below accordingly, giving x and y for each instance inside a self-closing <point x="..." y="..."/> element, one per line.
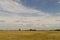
<point x="28" y="30"/>
<point x="57" y="30"/>
<point x="39" y="30"/>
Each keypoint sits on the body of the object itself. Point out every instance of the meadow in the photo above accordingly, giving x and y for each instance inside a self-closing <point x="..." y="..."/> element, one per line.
<point x="29" y="35"/>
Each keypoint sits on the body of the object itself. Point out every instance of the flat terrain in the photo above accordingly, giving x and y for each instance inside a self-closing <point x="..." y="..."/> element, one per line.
<point x="29" y="35"/>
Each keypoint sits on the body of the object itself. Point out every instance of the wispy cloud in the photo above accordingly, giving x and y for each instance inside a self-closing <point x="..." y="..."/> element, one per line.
<point x="59" y="1"/>
<point x="15" y="7"/>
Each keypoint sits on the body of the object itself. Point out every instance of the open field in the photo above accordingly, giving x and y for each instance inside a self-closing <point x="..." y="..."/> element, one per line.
<point x="29" y="35"/>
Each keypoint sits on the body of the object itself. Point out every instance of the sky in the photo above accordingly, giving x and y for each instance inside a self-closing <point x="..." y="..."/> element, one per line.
<point x="26" y="14"/>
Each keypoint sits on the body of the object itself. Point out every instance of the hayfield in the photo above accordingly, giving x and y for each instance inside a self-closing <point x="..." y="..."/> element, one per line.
<point x="29" y="35"/>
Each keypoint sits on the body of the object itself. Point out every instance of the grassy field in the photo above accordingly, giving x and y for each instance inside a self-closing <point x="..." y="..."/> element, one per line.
<point x="29" y="35"/>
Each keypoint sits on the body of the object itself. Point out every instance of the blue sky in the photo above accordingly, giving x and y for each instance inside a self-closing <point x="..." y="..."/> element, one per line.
<point x="50" y="6"/>
<point x="37" y="14"/>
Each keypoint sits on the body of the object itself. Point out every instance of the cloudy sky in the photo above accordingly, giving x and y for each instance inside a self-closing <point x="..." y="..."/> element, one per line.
<point x="25" y="14"/>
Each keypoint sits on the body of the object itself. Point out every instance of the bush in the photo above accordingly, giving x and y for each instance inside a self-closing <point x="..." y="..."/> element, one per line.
<point x="19" y="29"/>
<point x="32" y="29"/>
<point x="57" y="30"/>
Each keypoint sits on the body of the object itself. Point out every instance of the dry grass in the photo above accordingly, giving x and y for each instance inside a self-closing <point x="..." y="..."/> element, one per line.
<point x="29" y="35"/>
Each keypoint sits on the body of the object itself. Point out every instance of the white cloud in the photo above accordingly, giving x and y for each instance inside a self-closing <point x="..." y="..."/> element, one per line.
<point x="13" y="8"/>
<point x="58" y="2"/>
<point x="34" y="22"/>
